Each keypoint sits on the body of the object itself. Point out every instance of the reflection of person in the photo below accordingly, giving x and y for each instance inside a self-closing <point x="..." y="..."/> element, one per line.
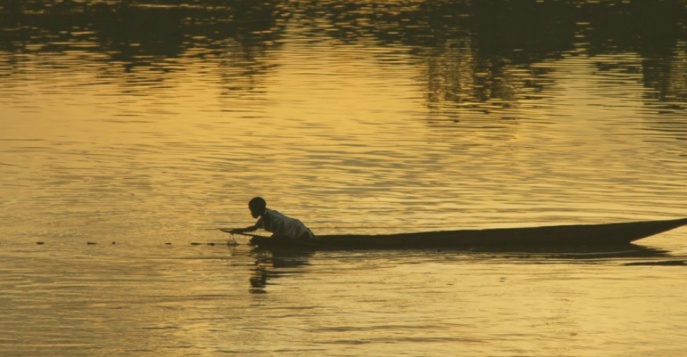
<point x="272" y="221"/>
<point x="275" y="264"/>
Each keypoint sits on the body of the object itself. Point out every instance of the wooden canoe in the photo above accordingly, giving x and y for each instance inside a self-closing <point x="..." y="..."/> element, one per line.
<point x="559" y="236"/>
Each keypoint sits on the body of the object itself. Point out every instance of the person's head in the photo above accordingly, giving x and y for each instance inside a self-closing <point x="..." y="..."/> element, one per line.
<point x="257" y="206"/>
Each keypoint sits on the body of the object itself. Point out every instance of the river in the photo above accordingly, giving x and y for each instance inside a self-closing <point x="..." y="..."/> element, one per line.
<point x="131" y="130"/>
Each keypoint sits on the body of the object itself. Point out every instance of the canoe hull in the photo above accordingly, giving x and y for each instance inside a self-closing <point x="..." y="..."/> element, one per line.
<point x="588" y="235"/>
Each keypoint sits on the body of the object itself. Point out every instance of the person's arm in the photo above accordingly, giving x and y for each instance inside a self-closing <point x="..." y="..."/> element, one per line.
<point x="240" y="230"/>
<point x="258" y="224"/>
<point x="252" y="228"/>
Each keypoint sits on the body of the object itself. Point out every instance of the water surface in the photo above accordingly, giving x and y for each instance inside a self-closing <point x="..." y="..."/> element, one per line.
<point x="145" y="123"/>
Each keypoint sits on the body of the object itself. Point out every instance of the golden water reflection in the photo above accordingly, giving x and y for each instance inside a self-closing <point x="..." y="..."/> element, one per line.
<point x="188" y="149"/>
<point x="148" y="122"/>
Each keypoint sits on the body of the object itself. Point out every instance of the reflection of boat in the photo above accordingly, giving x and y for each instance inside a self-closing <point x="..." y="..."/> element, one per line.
<point x="560" y="236"/>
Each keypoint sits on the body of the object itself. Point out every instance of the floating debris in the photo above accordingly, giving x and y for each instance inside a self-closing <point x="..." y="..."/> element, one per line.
<point x="168" y="243"/>
<point x="40" y="243"/>
<point x="91" y="243"/>
<point x="195" y="243"/>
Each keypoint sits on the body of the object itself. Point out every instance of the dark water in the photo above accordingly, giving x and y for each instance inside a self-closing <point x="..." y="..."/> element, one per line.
<point x="144" y="123"/>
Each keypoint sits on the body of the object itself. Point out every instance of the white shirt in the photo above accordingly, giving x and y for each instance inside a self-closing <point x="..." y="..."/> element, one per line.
<point x="283" y="226"/>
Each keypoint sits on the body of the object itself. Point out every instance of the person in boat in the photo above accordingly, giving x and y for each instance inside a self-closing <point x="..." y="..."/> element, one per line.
<point x="274" y="222"/>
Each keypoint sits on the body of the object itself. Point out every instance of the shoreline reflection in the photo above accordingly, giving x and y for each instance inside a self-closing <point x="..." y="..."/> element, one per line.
<point x="481" y="56"/>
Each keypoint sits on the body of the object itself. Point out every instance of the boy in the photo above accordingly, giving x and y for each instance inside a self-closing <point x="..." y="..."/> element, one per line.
<point x="272" y="221"/>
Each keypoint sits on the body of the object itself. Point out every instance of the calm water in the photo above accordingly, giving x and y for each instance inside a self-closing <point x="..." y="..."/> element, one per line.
<point x="140" y="125"/>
